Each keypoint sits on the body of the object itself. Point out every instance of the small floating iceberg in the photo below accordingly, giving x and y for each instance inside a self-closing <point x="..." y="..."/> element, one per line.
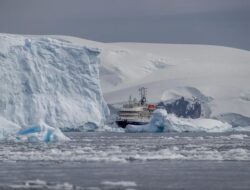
<point x="158" y="123"/>
<point x="161" y="121"/>
<point x="41" y="133"/>
<point x="37" y="133"/>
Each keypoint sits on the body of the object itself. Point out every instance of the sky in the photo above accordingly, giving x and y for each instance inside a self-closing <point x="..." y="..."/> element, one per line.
<point x="214" y="22"/>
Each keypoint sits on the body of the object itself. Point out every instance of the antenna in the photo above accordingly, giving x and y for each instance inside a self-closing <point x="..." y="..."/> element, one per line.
<point x="143" y="95"/>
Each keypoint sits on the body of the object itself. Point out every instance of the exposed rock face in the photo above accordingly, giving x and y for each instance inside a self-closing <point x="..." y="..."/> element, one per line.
<point x="183" y="108"/>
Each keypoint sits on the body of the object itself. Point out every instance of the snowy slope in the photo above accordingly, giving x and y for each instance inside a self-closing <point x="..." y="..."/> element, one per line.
<point x="219" y="76"/>
<point x="46" y="80"/>
<point x="217" y="72"/>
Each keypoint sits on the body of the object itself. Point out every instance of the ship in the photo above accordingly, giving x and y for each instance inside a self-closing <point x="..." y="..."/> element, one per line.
<point x="135" y="112"/>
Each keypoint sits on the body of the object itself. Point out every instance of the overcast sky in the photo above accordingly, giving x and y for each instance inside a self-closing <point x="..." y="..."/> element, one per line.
<point x="217" y="22"/>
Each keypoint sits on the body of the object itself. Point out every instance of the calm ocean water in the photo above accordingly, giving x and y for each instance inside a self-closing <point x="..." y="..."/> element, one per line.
<point x="107" y="160"/>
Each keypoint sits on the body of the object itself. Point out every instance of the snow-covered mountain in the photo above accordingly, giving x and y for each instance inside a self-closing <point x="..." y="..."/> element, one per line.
<point x="218" y="76"/>
<point x="47" y="80"/>
<point x="61" y="78"/>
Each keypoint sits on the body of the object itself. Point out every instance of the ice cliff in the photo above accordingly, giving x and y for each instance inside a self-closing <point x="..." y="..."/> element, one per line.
<point x="50" y="81"/>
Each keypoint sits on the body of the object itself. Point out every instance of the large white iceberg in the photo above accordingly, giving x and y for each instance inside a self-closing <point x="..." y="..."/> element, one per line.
<point x="50" y="81"/>
<point x="161" y="121"/>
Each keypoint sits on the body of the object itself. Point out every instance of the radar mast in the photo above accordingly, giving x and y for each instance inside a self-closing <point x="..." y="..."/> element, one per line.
<point x="143" y="95"/>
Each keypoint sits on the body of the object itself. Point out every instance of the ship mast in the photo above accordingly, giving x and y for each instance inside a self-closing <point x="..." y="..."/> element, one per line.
<point x="143" y="95"/>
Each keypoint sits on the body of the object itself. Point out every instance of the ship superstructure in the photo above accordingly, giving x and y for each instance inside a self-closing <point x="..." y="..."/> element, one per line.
<point x="135" y="112"/>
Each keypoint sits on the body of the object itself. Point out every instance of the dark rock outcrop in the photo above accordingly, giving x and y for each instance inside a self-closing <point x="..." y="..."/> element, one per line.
<point x="183" y="108"/>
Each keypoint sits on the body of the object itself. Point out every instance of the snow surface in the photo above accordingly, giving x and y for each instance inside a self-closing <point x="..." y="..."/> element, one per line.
<point x="50" y="81"/>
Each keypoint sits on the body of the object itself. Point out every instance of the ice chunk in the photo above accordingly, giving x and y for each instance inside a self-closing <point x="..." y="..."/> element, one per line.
<point x="119" y="183"/>
<point x="41" y="133"/>
<point x="238" y="136"/>
<point x="37" y="133"/>
<point x="242" y="129"/>
<point x="191" y="125"/>
<point x="39" y="185"/>
<point x="157" y="123"/>
<point x="161" y="121"/>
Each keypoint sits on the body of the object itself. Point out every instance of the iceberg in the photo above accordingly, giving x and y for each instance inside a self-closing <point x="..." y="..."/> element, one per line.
<point x="161" y="121"/>
<point x="37" y="133"/>
<point x="158" y="123"/>
<point x="41" y="133"/>
<point x="49" y="81"/>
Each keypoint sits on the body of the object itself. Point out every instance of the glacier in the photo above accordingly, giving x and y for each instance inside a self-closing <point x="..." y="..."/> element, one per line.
<point x="50" y="81"/>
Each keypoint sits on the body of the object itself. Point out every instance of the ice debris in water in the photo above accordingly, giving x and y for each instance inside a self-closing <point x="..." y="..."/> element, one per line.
<point x="238" y="136"/>
<point x="119" y="183"/>
<point x="41" y="133"/>
<point x="161" y="121"/>
<point x="40" y="185"/>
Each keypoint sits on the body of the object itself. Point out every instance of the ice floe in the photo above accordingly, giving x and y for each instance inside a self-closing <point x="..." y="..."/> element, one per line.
<point x="119" y="183"/>
<point x="41" y="133"/>
<point x="40" y="185"/>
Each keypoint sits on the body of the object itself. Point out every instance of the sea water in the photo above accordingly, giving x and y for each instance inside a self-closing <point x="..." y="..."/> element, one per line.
<point x="105" y="160"/>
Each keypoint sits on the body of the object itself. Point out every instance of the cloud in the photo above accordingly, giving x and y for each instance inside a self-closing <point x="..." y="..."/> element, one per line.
<point x="219" y="22"/>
